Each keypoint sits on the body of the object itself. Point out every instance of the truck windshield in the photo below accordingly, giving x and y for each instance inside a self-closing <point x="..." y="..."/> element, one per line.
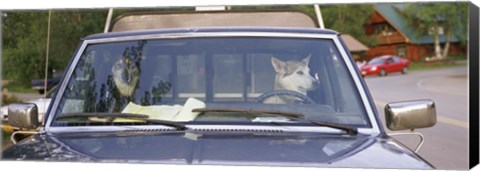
<point x="167" y="79"/>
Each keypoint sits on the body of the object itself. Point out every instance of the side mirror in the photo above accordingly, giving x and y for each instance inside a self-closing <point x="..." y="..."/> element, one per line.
<point x="410" y="115"/>
<point x="23" y="115"/>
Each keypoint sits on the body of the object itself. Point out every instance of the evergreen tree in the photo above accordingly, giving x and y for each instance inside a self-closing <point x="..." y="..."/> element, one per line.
<point x="439" y="19"/>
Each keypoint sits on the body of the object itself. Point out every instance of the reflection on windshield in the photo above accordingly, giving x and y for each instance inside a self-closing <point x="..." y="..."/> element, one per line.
<point x="166" y="79"/>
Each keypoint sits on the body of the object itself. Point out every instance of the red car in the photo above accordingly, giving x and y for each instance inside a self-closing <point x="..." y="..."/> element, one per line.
<point x="383" y="65"/>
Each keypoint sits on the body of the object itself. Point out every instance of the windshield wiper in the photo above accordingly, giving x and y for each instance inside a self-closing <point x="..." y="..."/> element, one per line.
<point x="112" y="116"/>
<point x="289" y="115"/>
<point x="349" y="130"/>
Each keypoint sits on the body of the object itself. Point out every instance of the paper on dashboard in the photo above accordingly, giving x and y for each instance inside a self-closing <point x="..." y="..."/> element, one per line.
<point x="167" y="112"/>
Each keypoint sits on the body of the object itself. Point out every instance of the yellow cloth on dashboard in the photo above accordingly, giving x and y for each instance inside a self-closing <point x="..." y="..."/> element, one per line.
<point x="166" y="112"/>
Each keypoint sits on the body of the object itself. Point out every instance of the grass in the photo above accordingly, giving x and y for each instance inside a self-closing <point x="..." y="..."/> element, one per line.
<point x="422" y="66"/>
<point x="14" y="87"/>
<point x="457" y="57"/>
<point x="450" y="62"/>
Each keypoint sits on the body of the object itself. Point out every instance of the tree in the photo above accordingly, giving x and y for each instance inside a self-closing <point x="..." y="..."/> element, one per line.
<point x="25" y="33"/>
<point x="25" y="37"/>
<point x="349" y="19"/>
<point x="22" y="49"/>
<point x="437" y="20"/>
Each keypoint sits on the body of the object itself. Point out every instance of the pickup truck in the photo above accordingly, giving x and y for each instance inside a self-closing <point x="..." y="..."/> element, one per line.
<point x="233" y="95"/>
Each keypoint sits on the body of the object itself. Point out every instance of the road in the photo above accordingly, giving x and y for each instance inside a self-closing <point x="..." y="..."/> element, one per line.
<point x="446" y="144"/>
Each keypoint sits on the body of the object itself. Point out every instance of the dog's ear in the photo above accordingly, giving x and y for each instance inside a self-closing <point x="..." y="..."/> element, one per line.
<point x="307" y="59"/>
<point x="278" y="65"/>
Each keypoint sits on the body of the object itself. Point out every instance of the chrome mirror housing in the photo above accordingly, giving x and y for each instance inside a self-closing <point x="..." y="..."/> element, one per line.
<point x="410" y="115"/>
<point x="23" y="115"/>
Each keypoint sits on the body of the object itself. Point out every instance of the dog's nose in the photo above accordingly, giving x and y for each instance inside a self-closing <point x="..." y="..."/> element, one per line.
<point x="316" y="83"/>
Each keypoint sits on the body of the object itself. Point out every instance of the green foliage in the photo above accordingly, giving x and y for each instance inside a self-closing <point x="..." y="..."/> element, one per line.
<point x="422" y="66"/>
<point x="457" y="57"/>
<point x="25" y="39"/>
<point x="349" y="19"/>
<point x="25" y="33"/>
<point x="16" y="87"/>
<point x="344" y="18"/>
<point x="452" y="17"/>
<point x="439" y="19"/>
<point x="20" y="42"/>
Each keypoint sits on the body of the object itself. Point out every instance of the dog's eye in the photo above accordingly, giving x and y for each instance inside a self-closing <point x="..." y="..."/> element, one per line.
<point x="300" y="72"/>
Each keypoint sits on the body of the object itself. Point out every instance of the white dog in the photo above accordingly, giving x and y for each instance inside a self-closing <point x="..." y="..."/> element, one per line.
<point x="292" y="75"/>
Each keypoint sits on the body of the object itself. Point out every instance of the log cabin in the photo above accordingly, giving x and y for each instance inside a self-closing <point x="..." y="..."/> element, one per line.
<point x="395" y="37"/>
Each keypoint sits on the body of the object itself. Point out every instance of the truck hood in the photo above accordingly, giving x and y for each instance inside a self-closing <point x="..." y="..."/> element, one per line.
<point x="264" y="149"/>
